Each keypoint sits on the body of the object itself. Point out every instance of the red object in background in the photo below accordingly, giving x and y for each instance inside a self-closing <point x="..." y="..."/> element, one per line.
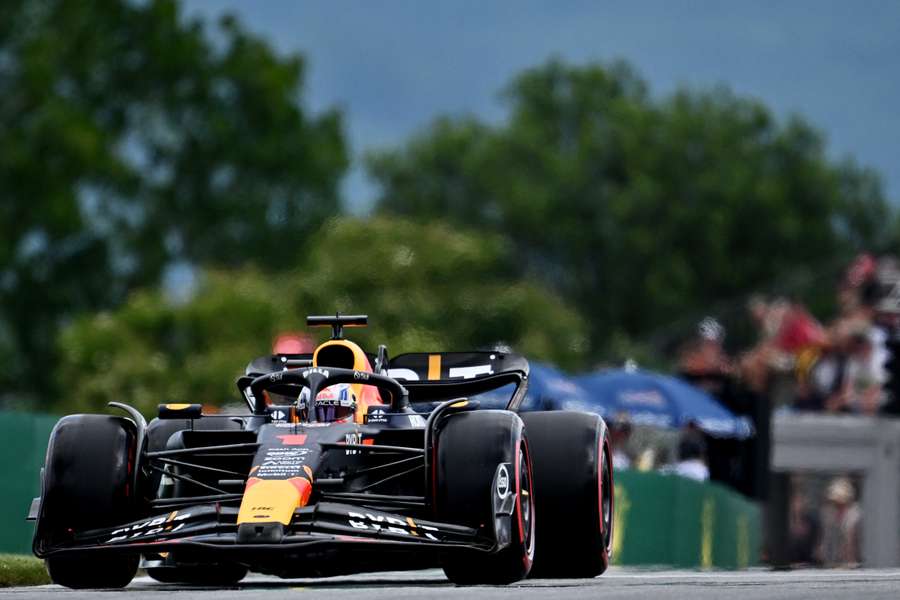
<point x="293" y="343"/>
<point x="861" y="270"/>
<point x="799" y="330"/>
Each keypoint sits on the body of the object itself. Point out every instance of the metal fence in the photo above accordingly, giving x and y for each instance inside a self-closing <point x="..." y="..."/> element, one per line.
<point x="23" y="443"/>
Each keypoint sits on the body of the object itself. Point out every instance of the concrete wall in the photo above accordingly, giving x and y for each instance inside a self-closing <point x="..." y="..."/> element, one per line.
<point x="866" y="446"/>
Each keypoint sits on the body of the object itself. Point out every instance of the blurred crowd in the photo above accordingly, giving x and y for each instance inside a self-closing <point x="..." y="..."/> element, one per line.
<point x="845" y="365"/>
<point x="684" y="455"/>
<point x="802" y="364"/>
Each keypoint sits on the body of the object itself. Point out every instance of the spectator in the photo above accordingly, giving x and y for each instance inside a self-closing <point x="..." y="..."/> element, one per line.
<point x="620" y="432"/>
<point x="691" y="459"/>
<point x="790" y="340"/>
<point x="841" y="517"/>
<point x="803" y="531"/>
<point x="704" y="356"/>
<point x="846" y="379"/>
<point x="850" y="374"/>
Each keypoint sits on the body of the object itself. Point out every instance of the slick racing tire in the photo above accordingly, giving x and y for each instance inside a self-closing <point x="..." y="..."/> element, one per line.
<point x="469" y="449"/>
<point x="215" y="575"/>
<point x="88" y="484"/>
<point x="574" y="482"/>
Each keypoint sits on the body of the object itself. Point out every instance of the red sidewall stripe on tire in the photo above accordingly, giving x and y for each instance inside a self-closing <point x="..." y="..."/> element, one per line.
<point x="520" y="443"/>
<point x="519" y="491"/>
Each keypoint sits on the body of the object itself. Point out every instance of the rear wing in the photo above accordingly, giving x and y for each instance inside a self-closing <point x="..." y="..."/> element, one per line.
<point x="428" y="376"/>
<point x="443" y="375"/>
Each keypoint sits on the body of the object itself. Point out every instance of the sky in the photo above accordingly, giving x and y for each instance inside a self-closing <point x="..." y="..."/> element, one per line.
<point x="392" y="66"/>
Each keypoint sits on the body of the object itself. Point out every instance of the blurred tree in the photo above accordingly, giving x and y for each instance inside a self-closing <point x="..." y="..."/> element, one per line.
<point x="640" y="210"/>
<point x="132" y="139"/>
<point x="424" y="287"/>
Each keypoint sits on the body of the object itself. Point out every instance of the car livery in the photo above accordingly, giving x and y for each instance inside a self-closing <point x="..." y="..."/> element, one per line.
<point x="399" y="463"/>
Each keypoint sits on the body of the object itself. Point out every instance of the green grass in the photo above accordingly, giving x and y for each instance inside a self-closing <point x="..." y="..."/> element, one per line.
<point x="20" y="569"/>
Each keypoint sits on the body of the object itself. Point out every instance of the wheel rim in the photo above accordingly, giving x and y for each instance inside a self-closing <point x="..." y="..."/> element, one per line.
<point x="606" y="501"/>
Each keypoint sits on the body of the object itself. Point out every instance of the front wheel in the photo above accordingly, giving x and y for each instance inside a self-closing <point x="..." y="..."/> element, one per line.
<point x="88" y="484"/>
<point x="483" y="457"/>
<point x="87" y="573"/>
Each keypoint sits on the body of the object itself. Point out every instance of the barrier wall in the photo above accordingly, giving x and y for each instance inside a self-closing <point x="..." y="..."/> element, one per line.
<point x="23" y="443"/>
<point x="868" y="447"/>
<point x="669" y="520"/>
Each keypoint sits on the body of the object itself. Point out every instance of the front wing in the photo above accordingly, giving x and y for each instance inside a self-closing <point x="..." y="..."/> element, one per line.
<point x="209" y="533"/>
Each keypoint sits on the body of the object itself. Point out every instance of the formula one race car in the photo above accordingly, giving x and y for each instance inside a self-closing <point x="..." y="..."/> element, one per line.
<point x="338" y="467"/>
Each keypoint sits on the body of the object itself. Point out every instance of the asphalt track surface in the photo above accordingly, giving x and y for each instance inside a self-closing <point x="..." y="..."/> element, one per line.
<point x="616" y="583"/>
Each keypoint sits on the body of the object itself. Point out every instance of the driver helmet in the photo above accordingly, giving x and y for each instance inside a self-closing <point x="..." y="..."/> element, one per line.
<point x="335" y="403"/>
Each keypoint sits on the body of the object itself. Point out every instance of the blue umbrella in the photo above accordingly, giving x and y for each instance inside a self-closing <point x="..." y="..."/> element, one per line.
<point x="551" y="389"/>
<point x="663" y="401"/>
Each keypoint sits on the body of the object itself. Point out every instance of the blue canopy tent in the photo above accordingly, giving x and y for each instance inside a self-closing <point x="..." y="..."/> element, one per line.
<point x="551" y="389"/>
<point x="663" y="401"/>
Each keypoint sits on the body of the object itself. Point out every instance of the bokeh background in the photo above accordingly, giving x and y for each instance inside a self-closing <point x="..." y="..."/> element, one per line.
<point x="582" y="182"/>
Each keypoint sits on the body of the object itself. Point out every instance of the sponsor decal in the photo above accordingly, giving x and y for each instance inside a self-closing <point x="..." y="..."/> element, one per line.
<point x="378" y="415"/>
<point x="322" y="372"/>
<point x="165" y="524"/>
<point x="361" y="375"/>
<point x="276" y="376"/>
<point x="405" y="374"/>
<point x="353" y="438"/>
<point x="283" y="462"/>
<point x="470" y="372"/>
<point x="502" y="482"/>
<point x="278" y="415"/>
<point x="400" y="526"/>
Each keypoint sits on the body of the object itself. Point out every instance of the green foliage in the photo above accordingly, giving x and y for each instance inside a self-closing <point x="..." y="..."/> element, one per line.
<point x="424" y="287"/>
<point x="18" y="570"/>
<point x="641" y="210"/>
<point x="132" y="138"/>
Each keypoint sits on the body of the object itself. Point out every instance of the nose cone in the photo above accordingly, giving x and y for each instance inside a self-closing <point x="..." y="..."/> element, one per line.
<point x="273" y="500"/>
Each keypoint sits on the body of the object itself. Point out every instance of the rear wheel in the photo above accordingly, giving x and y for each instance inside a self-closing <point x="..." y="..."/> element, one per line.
<point x="469" y="480"/>
<point x="88" y="484"/>
<point x="159" y="431"/>
<point x="575" y="516"/>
